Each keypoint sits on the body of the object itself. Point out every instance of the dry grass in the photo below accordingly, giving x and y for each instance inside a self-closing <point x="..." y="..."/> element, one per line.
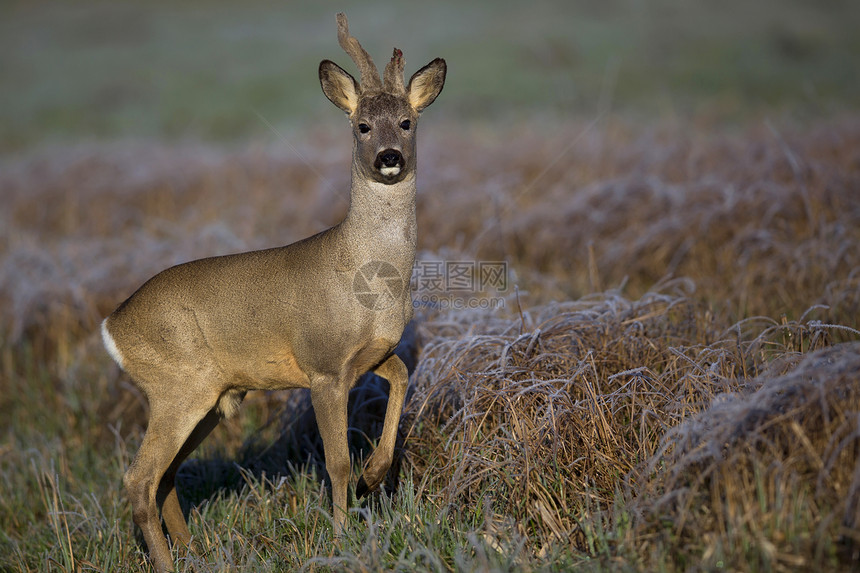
<point x="772" y="468"/>
<point x="640" y="413"/>
<point x="673" y="384"/>
<point x="758" y="222"/>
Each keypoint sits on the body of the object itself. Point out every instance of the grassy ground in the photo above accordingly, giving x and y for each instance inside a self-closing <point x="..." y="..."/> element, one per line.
<point x="672" y="382"/>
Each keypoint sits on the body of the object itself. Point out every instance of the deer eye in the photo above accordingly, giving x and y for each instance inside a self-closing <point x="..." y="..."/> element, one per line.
<point x="363" y="128"/>
<point x="405" y="125"/>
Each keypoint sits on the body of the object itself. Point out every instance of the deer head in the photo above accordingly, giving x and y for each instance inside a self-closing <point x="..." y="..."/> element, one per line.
<point x="382" y="111"/>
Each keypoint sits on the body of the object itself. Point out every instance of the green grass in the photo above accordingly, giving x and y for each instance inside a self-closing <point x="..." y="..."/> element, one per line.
<point x="260" y="526"/>
<point x="205" y="69"/>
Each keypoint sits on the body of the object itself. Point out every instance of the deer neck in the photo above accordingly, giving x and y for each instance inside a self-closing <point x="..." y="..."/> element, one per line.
<point x="381" y="220"/>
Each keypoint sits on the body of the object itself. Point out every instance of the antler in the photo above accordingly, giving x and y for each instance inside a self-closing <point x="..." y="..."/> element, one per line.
<point x="394" y="74"/>
<point x="369" y="74"/>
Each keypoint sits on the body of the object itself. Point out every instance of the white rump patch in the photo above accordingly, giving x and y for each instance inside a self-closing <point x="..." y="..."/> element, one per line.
<point x="388" y="171"/>
<point x="110" y="345"/>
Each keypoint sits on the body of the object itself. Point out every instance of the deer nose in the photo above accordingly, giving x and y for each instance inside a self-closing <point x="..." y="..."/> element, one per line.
<point x="389" y="158"/>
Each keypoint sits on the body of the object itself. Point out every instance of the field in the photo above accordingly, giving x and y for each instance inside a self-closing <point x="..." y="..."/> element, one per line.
<point x="668" y="378"/>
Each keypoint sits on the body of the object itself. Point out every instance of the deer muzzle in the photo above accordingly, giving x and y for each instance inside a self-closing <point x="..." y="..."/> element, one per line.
<point x="389" y="162"/>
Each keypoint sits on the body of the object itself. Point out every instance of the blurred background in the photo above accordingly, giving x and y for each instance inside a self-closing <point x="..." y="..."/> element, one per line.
<point x="209" y="70"/>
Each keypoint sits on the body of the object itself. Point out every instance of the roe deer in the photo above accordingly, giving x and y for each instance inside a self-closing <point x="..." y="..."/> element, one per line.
<point x="314" y="314"/>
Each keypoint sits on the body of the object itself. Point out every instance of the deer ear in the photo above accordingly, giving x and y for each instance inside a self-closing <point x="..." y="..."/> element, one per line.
<point x="426" y="84"/>
<point x="338" y="86"/>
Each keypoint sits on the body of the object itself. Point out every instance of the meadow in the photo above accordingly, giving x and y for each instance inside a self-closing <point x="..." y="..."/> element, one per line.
<point x="668" y="378"/>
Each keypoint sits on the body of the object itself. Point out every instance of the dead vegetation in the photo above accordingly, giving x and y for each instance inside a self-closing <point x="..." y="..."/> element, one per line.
<point x="698" y="440"/>
<point x="674" y="383"/>
<point x="772" y="467"/>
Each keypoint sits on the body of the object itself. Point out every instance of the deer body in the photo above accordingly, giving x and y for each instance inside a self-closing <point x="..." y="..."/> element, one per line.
<point x="292" y="311"/>
<point x="197" y="336"/>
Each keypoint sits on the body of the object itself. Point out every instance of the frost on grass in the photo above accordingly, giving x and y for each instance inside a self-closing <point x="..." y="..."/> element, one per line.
<point x="574" y="416"/>
<point x="775" y="465"/>
<point x="673" y="382"/>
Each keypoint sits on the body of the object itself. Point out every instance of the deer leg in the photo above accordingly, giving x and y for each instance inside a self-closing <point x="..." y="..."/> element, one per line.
<point x="171" y="511"/>
<point x="329" y="399"/>
<point x="166" y="433"/>
<point x="377" y="465"/>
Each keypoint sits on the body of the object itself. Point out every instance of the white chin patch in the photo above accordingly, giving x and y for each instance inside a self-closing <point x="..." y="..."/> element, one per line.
<point x="389" y="171"/>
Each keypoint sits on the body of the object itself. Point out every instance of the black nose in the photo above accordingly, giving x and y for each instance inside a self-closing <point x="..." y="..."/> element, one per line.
<point x="389" y="158"/>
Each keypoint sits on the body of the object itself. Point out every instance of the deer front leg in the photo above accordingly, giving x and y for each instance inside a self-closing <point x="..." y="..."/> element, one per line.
<point x="377" y="465"/>
<point x="329" y="399"/>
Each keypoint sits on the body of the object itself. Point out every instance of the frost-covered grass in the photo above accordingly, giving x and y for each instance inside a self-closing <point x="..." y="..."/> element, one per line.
<point x="674" y="381"/>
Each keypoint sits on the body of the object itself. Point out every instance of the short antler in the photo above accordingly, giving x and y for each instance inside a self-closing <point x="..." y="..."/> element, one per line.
<point x="394" y="74"/>
<point x="369" y="74"/>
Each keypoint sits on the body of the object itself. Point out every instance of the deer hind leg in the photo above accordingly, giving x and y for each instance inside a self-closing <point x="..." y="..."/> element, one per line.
<point x="329" y="399"/>
<point x="377" y="465"/>
<point x="171" y="511"/>
<point x="171" y="423"/>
